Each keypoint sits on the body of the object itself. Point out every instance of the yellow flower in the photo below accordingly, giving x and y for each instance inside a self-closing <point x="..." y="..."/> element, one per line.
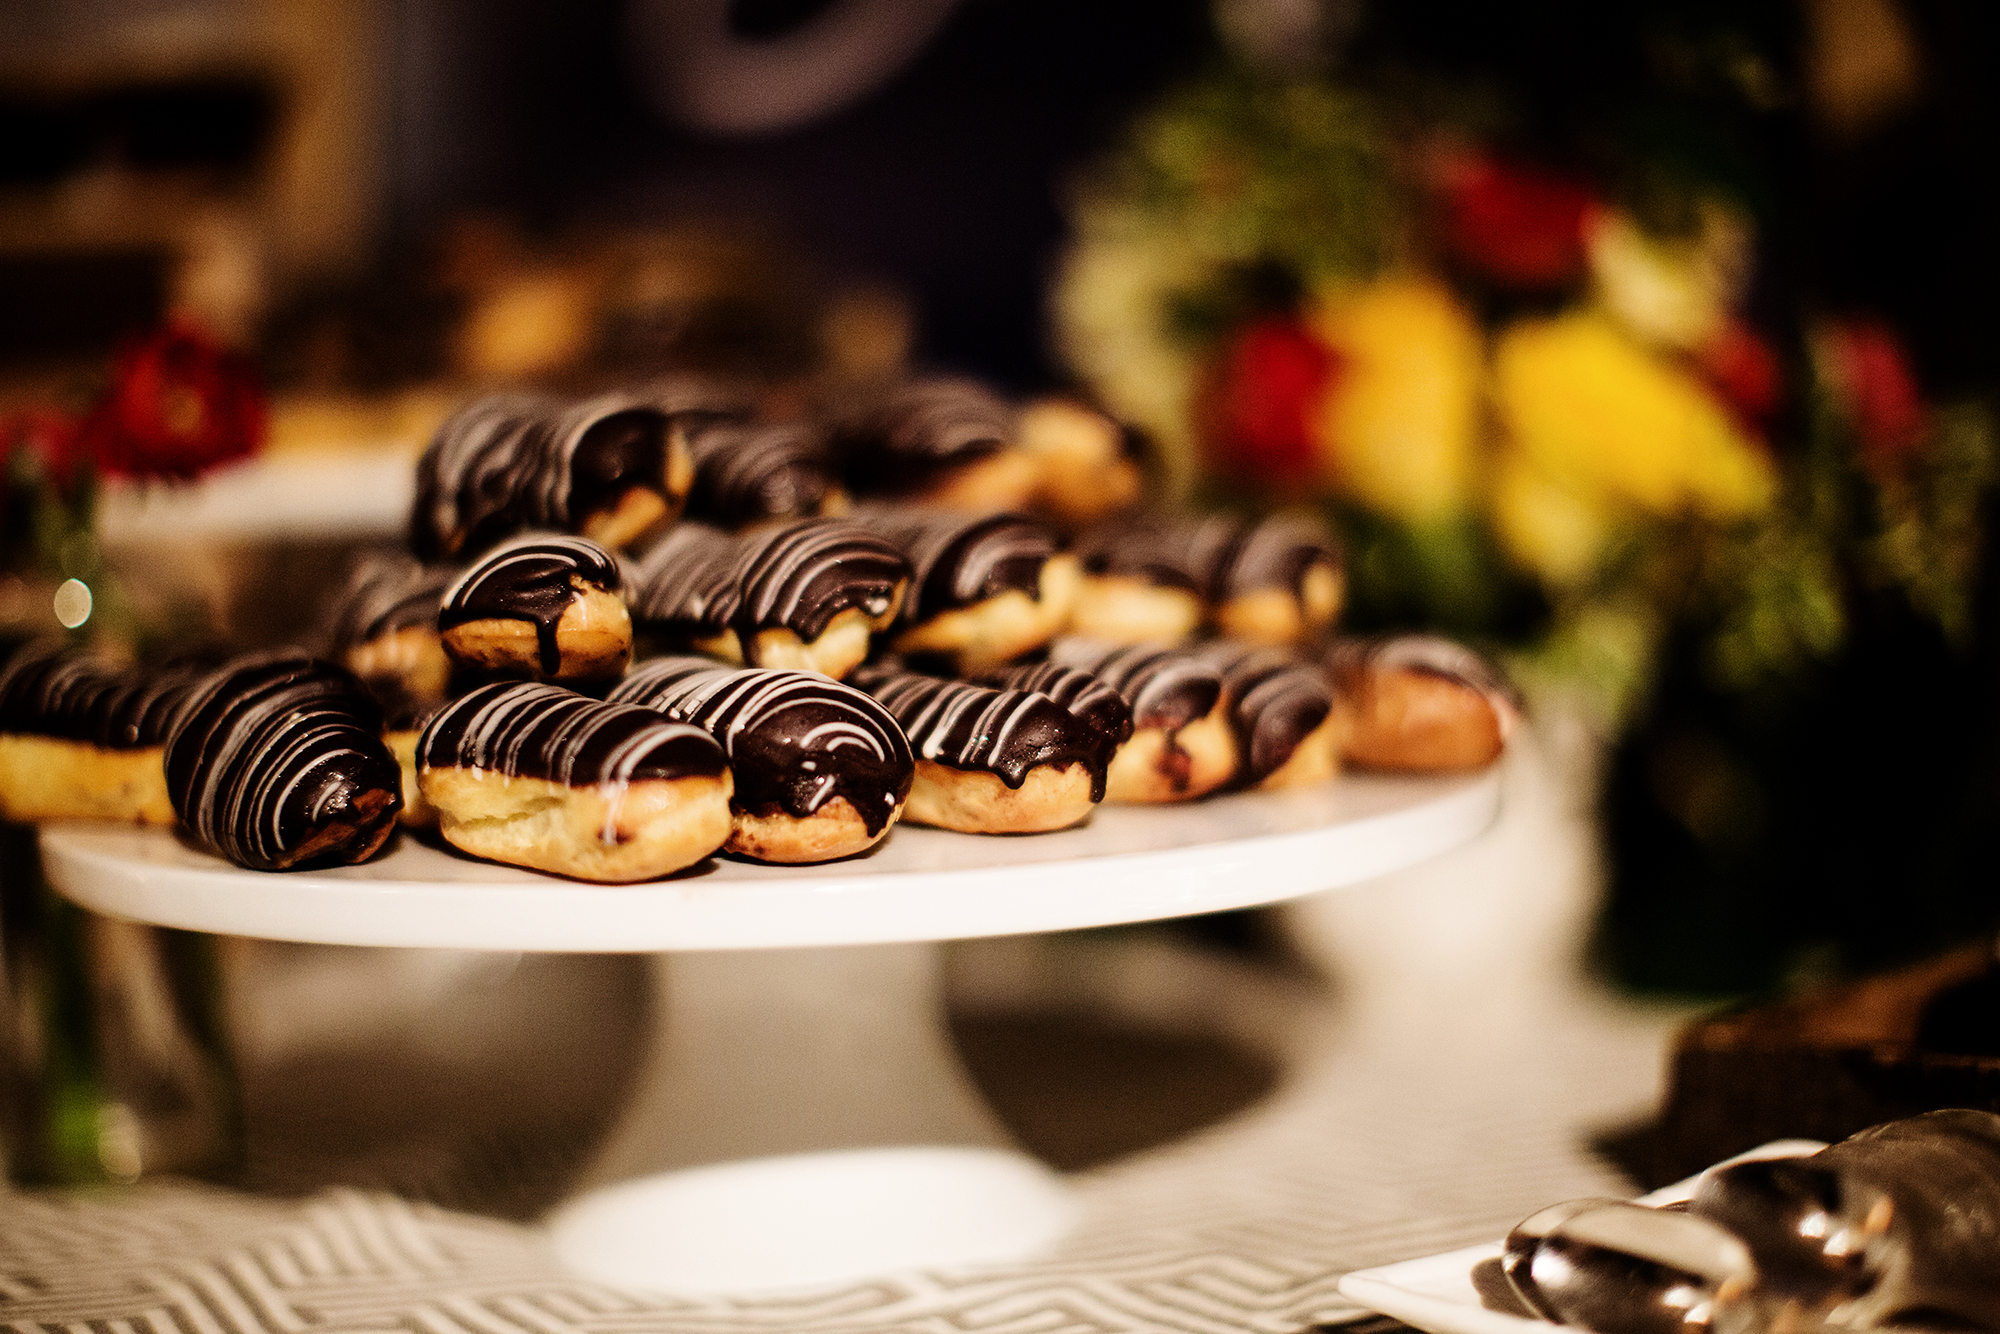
<point x="1398" y="429"/>
<point x="1596" y="411"/>
<point x="1553" y="530"/>
<point x="1676" y="293"/>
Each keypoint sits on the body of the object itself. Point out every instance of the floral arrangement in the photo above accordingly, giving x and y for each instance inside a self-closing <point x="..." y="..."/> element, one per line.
<point x="1538" y="399"/>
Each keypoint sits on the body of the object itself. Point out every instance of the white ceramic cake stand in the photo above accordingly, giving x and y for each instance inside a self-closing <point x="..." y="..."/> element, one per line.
<point x="801" y="1116"/>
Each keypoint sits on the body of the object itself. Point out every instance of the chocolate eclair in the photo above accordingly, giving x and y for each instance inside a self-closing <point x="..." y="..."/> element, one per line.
<point x="821" y="769"/>
<point x="541" y="605"/>
<point x="747" y="473"/>
<point x="1137" y="584"/>
<point x="612" y="468"/>
<point x="810" y="592"/>
<point x="1288" y="730"/>
<point x="983" y="590"/>
<point x="1421" y="704"/>
<point x="81" y="738"/>
<point x="384" y="626"/>
<point x="276" y="760"/>
<point x="682" y="592"/>
<point x="1275" y="580"/>
<point x="1182" y="744"/>
<point x="1087" y="461"/>
<point x="1095" y="704"/>
<point x="990" y="761"/>
<point x="539" y="776"/>
<point x="935" y="441"/>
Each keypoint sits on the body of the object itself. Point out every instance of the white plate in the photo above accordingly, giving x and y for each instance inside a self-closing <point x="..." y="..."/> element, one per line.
<point x="1129" y="863"/>
<point x="1437" y="1294"/>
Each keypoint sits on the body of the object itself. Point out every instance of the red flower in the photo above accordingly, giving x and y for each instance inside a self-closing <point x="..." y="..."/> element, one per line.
<point x="56" y="442"/>
<point x="1872" y="376"/>
<point x="1517" y="225"/>
<point x="180" y="404"/>
<point x="1743" y="370"/>
<point x="1261" y="402"/>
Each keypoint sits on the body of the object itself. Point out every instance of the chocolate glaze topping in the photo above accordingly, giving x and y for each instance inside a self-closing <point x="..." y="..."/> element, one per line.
<point x="49" y="689"/>
<point x="468" y="477"/>
<point x="801" y="575"/>
<point x="1233" y="556"/>
<point x="685" y="584"/>
<point x="1146" y="547"/>
<point x="1095" y="704"/>
<point x="981" y="730"/>
<point x="747" y="472"/>
<point x="529" y="730"/>
<point x="532" y="578"/>
<point x="385" y="592"/>
<point x="584" y="457"/>
<point x="959" y="560"/>
<point x="1275" y="702"/>
<point x="1166" y="687"/>
<point x="268" y="751"/>
<point x="795" y="740"/>
<point x="902" y="439"/>
<point x="1350" y="659"/>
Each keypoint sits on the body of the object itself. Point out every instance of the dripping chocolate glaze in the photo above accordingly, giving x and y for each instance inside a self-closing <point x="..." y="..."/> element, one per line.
<point x="981" y="730"/>
<point x="905" y="438"/>
<point x="958" y="560"/>
<point x="528" y="730"/>
<point x="795" y="740"/>
<point x="1166" y="687"/>
<point x="530" y="579"/>
<point x="1096" y="705"/>
<point x="746" y="472"/>
<point x="801" y="575"/>
<point x="272" y="749"/>
<point x="1275" y="702"/>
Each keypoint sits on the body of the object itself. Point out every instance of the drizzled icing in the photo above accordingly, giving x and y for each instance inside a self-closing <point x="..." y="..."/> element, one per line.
<point x="976" y="728"/>
<point x="686" y="582"/>
<point x="509" y="462"/>
<point x="1275" y="702"/>
<point x="902" y="439"/>
<point x="795" y="740"/>
<point x="800" y="575"/>
<point x="959" y="560"/>
<point x="745" y="472"/>
<point x="269" y="750"/>
<point x="385" y="592"/>
<point x="533" y="578"/>
<point x="1350" y="659"/>
<point x="529" y="730"/>
<point x="1166" y="687"/>
<point x="49" y="689"/>
<point x="1095" y="704"/>
<point x="1146" y="547"/>
<point x="1219" y="557"/>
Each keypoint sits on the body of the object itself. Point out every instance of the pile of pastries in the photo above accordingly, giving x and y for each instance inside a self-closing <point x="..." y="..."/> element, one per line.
<point x="918" y="602"/>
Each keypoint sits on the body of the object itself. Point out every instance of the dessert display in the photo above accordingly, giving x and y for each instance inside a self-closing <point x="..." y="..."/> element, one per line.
<point x="1099" y="707"/>
<point x="942" y="442"/>
<point x="682" y="593"/>
<point x="1182" y="745"/>
<point x="276" y="760"/>
<point x="990" y="761"/>
<point x="1087" y="468"/>
<point x="984" y="589"/>
<point x="543" y="606"/>
<point x="385" y="627"/>
<point x="1288" y="731"/>
<point x="1895" y="1228"/>
<point x="810" y="594"/>
<point x="752" y="472"/>
<point x="1420" y="703"/>
<point x="1137" y="586"/>
<point x="821" y="769"/>
<point x="81" y="739"/>
<point x="535" y="775"/>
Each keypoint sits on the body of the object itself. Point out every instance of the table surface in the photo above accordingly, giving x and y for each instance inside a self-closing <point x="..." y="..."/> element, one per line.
<point x="1129" y="863"/>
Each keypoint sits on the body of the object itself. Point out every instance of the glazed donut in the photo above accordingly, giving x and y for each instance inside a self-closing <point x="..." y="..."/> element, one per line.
<point x="81" y="739"/>
<point x="542" y="606"/>
<point x="1137" y="586"/>
<point x="983" y="590"/>
<point x="821" y="769"/>
<point x="1420" y="703"/>
<point x="1276" y="580"/>
<point x="538" y="776"/>
<point x="942" y="442"/>
<point x="683" y="591"/>
<point x="613" y="468"/>
<point x="1288" y="730"/>
<point x="810" y="592"/>
<point x="1086" y="466"/>
<point x="1182" y="744"/>
<point x="385" y="627"/>
<point x="990" y="761"/>
<point x="276" y="760"/>
<point x="1095" y="704"/>
<point x="748" y="473"/>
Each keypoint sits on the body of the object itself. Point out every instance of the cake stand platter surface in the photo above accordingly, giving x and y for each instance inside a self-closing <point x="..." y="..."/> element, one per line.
<point x="801" y="1117"/>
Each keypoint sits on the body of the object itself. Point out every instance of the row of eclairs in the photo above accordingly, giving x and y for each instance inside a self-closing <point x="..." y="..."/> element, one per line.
<point x="631" y="631"/>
